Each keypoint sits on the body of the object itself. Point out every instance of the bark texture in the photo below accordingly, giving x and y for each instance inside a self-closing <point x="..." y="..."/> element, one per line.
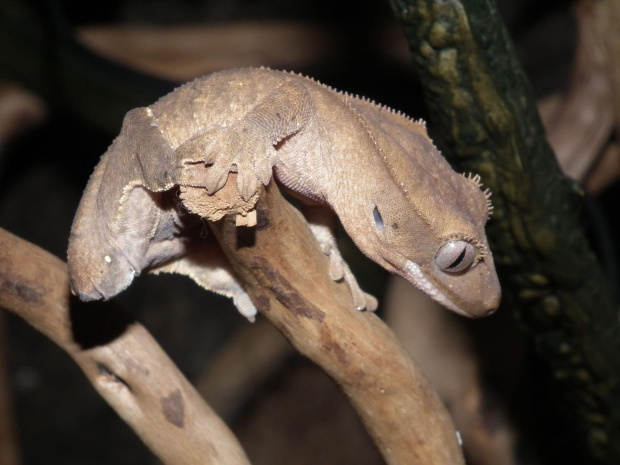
<point x="286" y="274"/>
<point x="481" y="101"/>
<point x="119" y="357"/>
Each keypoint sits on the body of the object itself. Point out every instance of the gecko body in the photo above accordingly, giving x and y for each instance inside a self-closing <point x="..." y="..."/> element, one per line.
<point x="394" y="193"/>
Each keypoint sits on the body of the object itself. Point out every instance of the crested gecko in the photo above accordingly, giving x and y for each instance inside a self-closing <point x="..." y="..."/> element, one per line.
<point x="377" y="169"/>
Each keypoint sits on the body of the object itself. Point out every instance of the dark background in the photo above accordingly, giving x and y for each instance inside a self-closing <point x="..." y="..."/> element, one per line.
<point x="60" y="418"/>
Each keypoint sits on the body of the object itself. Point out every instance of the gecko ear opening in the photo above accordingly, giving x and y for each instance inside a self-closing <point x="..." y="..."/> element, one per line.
<point x="455" y="256"/>
<point x="378" y="219"/>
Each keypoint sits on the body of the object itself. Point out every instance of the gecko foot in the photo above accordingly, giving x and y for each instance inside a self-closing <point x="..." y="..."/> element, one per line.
<point x="206" y="264"/>
<point x="230" y="149"/>
<point x="239" y="150"/>
<point x="339" y="270"/>
<point x="361" y="300"/>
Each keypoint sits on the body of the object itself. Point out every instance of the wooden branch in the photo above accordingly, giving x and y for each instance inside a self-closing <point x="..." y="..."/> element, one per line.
<point x="582" y="123"/>
<point x="480" y="98"/>
<point x="287" y="277"/>
<point x="248" y="361"/>
<point x="605" y="15"/>
<point x="445" y="349"/>
<point x="119" y="357"/>
<point x="606" y="171"/>
<point x="19" y="110"/>
<point x="9" y="448"/>
<point x="199" y="50"/>
<point x="579" y="126"/>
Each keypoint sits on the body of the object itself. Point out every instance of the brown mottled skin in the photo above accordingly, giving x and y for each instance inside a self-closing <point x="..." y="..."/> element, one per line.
<point x="394" y="193"/>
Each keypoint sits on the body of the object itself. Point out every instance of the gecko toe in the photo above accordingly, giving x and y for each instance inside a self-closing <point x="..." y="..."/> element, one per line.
<point x="216" y="177"/>
<point x="263" y="172"/>
<point x="371" y="302"/>
<point x="263" y="165"/>
<point x="336" y="268"/>
<point x="214" y="145"/>
<point x="247" y="184"/>
<point x="245" y="306"/>
<point x="364" y="302"/>
<point x="359" y="299"/>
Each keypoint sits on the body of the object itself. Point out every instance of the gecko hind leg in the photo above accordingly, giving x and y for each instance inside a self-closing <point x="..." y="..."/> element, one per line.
<point x="207" y="265"/>
<point x="322" y="224"/>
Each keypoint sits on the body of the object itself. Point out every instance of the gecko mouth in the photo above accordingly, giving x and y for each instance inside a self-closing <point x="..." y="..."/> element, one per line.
<point x="414" y="275"/>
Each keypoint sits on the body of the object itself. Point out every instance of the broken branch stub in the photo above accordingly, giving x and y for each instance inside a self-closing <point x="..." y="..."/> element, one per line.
<point x="286" y="274"/>
<point x="119" y="357"/>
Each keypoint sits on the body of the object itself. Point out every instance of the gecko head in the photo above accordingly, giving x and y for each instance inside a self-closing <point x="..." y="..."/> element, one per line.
<point x="446" y="256"/>
<point x="105" y="256"/>
<point x="427" y="225"/>
<point x="97" y="272"/>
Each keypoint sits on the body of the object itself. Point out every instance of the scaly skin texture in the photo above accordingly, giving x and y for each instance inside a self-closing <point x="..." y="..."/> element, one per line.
<point x="394" y="193"/>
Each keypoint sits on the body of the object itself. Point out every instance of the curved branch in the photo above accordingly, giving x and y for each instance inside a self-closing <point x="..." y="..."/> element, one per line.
<point x="287" y="277"/>
<point x="481" y="100"/>
<point x="119" y="357"/>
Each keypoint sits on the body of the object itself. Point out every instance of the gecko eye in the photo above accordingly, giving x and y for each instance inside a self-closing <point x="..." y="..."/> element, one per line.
<point x="378" y="220"/>
<point x="455" y="256"/>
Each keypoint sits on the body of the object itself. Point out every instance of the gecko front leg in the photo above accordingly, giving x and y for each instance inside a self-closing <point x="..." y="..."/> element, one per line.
<point x="322" y="223"/>
<point x="248" y="146"/>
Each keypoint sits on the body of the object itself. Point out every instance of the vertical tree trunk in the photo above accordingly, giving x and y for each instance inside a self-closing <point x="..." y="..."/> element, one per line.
<point x="481" y="101"/>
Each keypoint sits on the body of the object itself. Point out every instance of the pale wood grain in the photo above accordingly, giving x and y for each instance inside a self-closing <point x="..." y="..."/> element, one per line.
<point x="287" y="277"/>
<point x="119" y="357"/>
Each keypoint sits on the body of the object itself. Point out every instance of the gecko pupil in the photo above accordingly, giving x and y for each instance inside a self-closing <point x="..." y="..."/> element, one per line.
<point x="458" y="260"/>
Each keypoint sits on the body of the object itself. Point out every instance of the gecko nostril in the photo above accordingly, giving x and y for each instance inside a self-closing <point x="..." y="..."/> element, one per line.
<point x="378" y="219"/>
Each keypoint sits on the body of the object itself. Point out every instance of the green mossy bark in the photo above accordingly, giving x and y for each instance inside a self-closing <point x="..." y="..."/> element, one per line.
<point x="481" y="101"/>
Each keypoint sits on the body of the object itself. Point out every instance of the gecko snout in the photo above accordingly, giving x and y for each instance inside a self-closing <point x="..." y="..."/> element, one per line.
<point x="94" y="278"/>
<point x="485" y="300"/>
<point x="86" y="294"/>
